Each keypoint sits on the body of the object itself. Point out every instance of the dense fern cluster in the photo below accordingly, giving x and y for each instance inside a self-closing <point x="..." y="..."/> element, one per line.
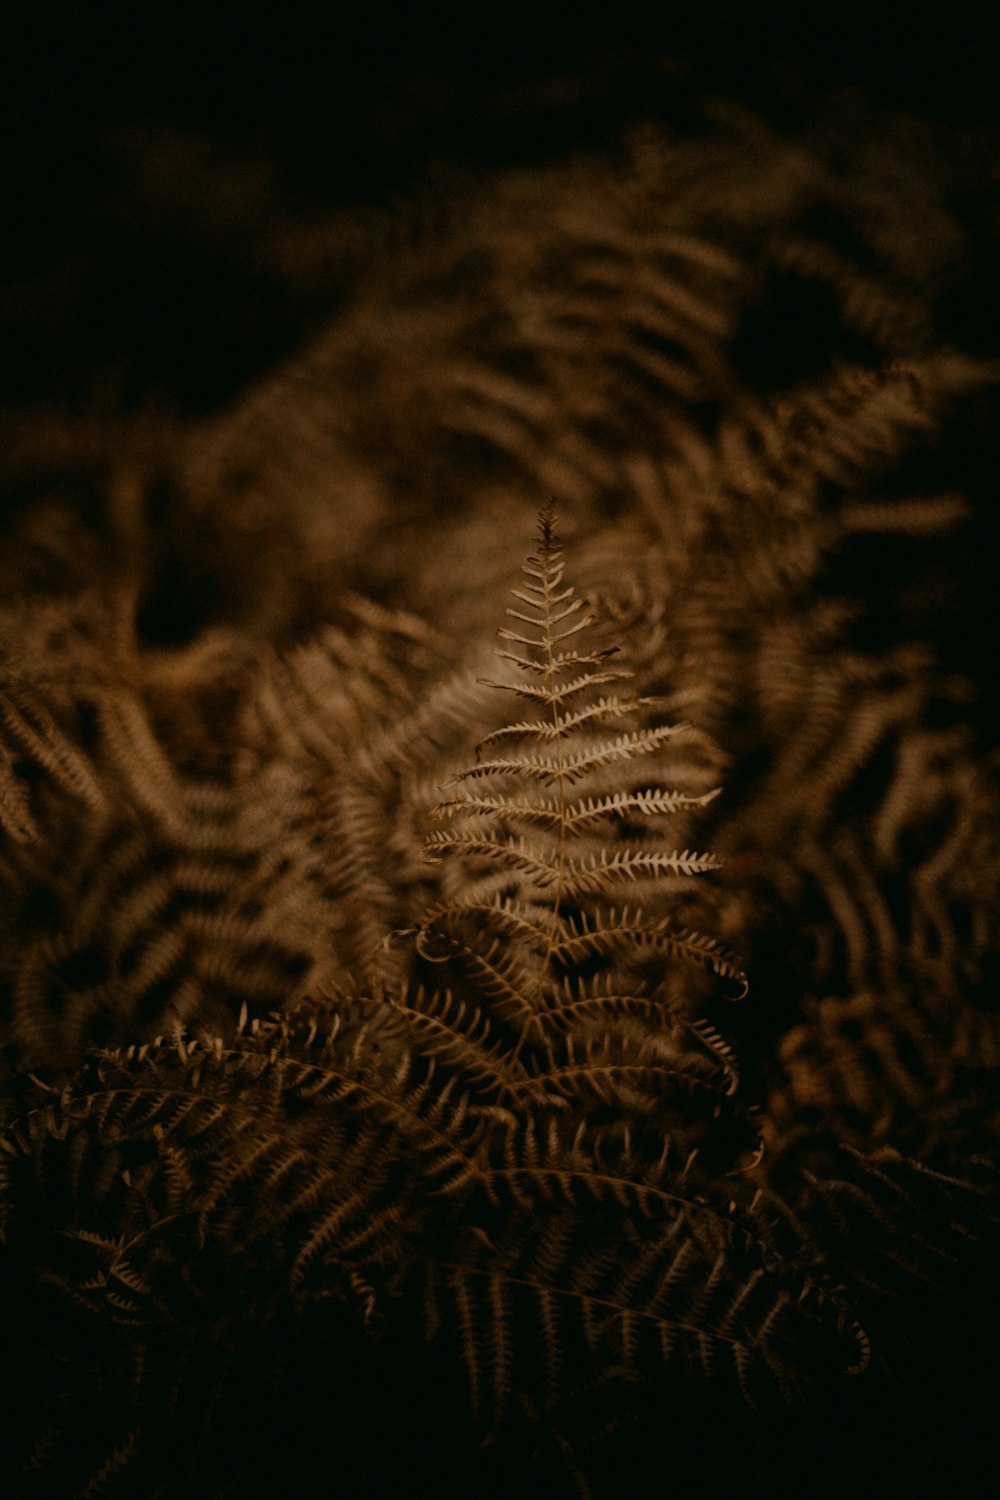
<point x="366" y="1008"/>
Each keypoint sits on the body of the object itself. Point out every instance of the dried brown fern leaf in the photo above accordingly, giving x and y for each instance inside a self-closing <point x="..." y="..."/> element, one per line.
<point x="600" y="820"/>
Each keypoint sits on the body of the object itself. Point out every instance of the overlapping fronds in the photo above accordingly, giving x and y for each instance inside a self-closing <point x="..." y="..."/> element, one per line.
<point x="488" y="1084"/>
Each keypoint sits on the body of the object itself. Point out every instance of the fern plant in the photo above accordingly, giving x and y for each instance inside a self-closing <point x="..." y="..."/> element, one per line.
<point x="525" y="1125"/>
<point x="528" y="1126"/>
<point x="605" y="1103"/>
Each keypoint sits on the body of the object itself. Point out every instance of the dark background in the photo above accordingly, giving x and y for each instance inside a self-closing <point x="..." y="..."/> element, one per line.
<point x="108" y="302"/>
<point x="347" y="102"/>
<point x="281" y="67"/>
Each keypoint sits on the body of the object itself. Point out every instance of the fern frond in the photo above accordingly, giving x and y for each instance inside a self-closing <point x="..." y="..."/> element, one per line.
<point x="559" y="692"/>
<point x="697" y="1284"/>
<point x="609" y="931"/>
<point x="503" y="916"/>
<point x="577" y="816"/>
<point x="513" y="852"/>
<point x="598" y="871"/>
<point x="575" y="767"/>
<point x="603" y="709"/>
<point x="31" y="735"/>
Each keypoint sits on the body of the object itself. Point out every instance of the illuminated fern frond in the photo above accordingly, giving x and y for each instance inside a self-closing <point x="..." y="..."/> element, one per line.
<point x="570" y="846"/>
